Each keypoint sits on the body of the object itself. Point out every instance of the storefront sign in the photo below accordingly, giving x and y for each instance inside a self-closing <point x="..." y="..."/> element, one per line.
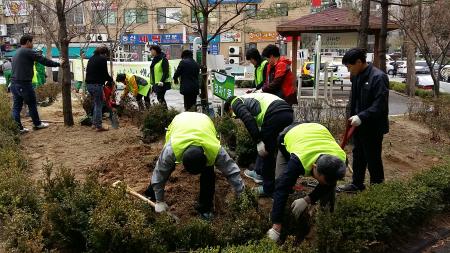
<point x="223" y="85"/>
<point x="262" y="37"/>
<point x="171" y="38"/>
<point x="230" y="37"/>
<point x="331" y="40"/>
<point x="234" y="1"/>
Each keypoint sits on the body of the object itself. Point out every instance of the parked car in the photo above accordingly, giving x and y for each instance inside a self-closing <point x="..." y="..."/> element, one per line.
<point x="424" y="82"/>
<point x="422" y="67"/>
<point x="445" y="73"/>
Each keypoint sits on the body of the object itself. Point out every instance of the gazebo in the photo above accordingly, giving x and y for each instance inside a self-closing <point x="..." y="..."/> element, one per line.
<point x="332" y="20"/>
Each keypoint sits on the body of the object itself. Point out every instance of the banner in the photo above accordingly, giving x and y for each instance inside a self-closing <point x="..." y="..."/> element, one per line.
<point x="263" y="37"/>
<point x="16" y="8"/>
<point x="230" y="37"/>
<point x="223" y="85"/>
<point x="170" y="38"/>
<point x="331" y="40"/>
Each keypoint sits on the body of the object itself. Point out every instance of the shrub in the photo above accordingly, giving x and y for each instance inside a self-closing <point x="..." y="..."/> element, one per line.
<point x="156" y="120"/>
<point x="265" y="245"/>
<point x="226" y="127"/>
<point x="46" y="94"/>
<point x="7" y="125"/>
<point x="424" y="93"/>
<point x="397" y="86"/>
<point x="195" y="234"/>
<point x="23" y="232"/>
<point x="244" y="84"/>
<point x="245" y="146"/>
<point x="437" y="178"/>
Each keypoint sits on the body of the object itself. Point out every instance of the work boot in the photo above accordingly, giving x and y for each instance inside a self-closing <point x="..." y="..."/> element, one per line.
<point x="254" y="176"/>
<point x="350" y="188"/>
<point x="41" y="126"/>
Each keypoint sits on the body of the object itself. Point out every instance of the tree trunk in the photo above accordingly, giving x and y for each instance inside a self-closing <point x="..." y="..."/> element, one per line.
<point x="364" y="25"/>
<point x="410" y="65"/>
<point x="204" y="69"/>
<point x="383" y="34"/>
<point x="64" y="51"/>
<point x="48" y="55"/>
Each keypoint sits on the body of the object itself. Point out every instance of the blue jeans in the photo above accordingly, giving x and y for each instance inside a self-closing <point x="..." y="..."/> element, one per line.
<point x="96" y="91"/>
<point x="24" y="92"/>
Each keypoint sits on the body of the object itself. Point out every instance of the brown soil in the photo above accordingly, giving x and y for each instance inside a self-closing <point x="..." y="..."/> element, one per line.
<point x="121" y="155"/>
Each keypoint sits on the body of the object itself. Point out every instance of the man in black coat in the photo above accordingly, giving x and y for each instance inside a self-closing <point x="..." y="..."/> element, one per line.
<point x="188" y="71"/>
<point x="369" y="110"/>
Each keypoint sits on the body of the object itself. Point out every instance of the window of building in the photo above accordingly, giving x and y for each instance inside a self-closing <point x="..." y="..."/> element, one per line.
<point x="282" y="9"/>
<point x="250" y="10"/>
<point x="106" y="17"/>
<point x="75" y="16"/>
<point x="168" y="15"/>
<point x="138" y="16"/>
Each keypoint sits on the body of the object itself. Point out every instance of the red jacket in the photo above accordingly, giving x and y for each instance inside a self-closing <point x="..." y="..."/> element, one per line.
<point x="280" y="81"/>
<point x="108" y="96"/>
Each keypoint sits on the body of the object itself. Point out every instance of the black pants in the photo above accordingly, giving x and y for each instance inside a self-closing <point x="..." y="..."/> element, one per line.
<point x="146" y="100"/>
<point x="189" y="101"/>
<point x="160" y="93"/>
<point x="367" y="153"/>
<point x="271" y="128"/>
<point x="207" y="189"/>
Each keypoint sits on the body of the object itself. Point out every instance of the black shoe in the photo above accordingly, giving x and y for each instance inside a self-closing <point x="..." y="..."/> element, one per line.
<point x="150" y="194"/>
<point x="350" y="188"/>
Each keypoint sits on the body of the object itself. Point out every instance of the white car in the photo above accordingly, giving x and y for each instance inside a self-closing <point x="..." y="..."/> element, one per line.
<point x="424" y="82"/>
<point x="390" y="67"/>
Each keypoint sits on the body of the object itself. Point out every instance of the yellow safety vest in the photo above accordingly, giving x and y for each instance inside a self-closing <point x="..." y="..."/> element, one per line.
<point x="260" y="73"/>
<point x="192" y="128"/>
<point x="158" y="72"/>
<point x="264" y="99"/>
<point x="310" y="140"/>
<point x="131" y="81"/>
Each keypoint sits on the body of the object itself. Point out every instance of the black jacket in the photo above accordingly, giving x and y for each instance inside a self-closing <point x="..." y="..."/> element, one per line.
<point x="97" y="70"/>
<point x="369" y="100"/>
<point x="23" y="62"/>
<point x="250" y="108"/>
<point x="188" y="71"/>
<point x="165" y="68"/>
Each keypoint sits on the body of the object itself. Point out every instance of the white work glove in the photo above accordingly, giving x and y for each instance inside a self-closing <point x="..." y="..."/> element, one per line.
<point x="160" y="84"/>
<point x="298" y="206"/>
<point x="261" y="149"/>
<point x="273" y="235"/>
<point x="355" y="120"/>
<point x="161" y="207"/>
<point x="258" y="91"/>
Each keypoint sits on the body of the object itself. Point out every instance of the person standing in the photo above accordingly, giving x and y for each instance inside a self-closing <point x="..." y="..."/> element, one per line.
<point x="7" y="72"/>
<point x="21" y="81"/>
<point x="369" y="110"/>
<point x="280" y="80"/>
<point x="96" y="77"/>
<point x="160" y="76"/>
<point x="188" y="71"/>
<point x="260" y="64"/>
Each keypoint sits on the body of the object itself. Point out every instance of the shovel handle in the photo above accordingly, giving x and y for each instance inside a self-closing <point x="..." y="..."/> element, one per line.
<point x="349" y="129"/>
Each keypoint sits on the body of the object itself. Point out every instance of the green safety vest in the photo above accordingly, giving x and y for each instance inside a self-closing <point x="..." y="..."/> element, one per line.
<point x="260" y="73"/>
<point x="192" y="128"/>
<point x="310" y="140"/>
<point x="35" y="81"/>
<point x="143" y="90"/>
<point x="158" y="71"/>
<point x="264" y="99"/>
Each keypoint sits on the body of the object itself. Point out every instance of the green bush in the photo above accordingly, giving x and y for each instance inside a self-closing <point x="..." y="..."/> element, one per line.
<point x="46" y="94"/>
<point x="370" y="219"/>
<point x="7" y="125"/>
<point x="23" y="232"/>
<point x="437" y="178"/>
<point x="397" y="86"/>
<point x="156" y="120"/>
<point x="265" y="245"/>
<point x="244" y="84"/>
<point x="245" y="146"/>
<point x="424" y="93"/>
<point x="226" y="127"/>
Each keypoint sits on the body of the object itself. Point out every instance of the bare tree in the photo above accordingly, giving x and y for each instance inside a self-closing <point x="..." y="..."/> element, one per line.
<point x="232" y="14"/>
<point x="67" y="31"/>
<point x="364" y="24"/>
<point x="425" y="24"/>
<point x="126" y="17"/>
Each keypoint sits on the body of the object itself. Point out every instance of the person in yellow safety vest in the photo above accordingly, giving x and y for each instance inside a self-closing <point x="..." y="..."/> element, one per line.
<point x="139" y="87"/>
<point x="160" y="74"/>
<point x="265" y="116"/>
<point x="195" y="146"/>
<point x="260" y="64"/>
<point x="310" y="150"/>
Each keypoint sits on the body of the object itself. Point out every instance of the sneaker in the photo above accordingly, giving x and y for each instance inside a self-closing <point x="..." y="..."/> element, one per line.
<point x="101" y="129"/>
<point x="259" y="190"/>
<point x="349" y="188"/>
<point x="208" y="216"/>
<point x="24" y="130"/>
<point x="254" y="176"/>
<point x="41" y="126"/>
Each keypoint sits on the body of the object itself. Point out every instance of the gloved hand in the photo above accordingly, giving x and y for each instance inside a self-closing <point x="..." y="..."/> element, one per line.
<point x="250" y="90"/>
<point x="258" y="91"/>
<point x="355" y="120"/>
<point x="262" y="149"/>
<point x="161" y="207"/>
<point x="273" y="234"/>
<point x="160" y="84"/>
<point x="298" y="206"/>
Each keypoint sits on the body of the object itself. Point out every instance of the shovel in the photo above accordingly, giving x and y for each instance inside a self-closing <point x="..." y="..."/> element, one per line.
<point x="143" y="198"/>
<point x="114" y="120"/>
<point x="349" y="129"/>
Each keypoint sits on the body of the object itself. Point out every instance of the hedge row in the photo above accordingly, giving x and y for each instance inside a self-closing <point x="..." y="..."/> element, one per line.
<point x="401" y="87"/>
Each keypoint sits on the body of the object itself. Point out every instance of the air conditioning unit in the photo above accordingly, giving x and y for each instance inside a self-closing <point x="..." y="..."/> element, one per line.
<point x="3" y="30"/>
<point x="162" y="26"/>
<point x="234" y="60"/>
<point x="233" y="50"/>
<point x="101" y="37"/>
<point x="91" y="37"/>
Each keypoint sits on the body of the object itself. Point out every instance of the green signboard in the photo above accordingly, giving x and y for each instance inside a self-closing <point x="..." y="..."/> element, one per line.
<point x="223" y="85"/>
